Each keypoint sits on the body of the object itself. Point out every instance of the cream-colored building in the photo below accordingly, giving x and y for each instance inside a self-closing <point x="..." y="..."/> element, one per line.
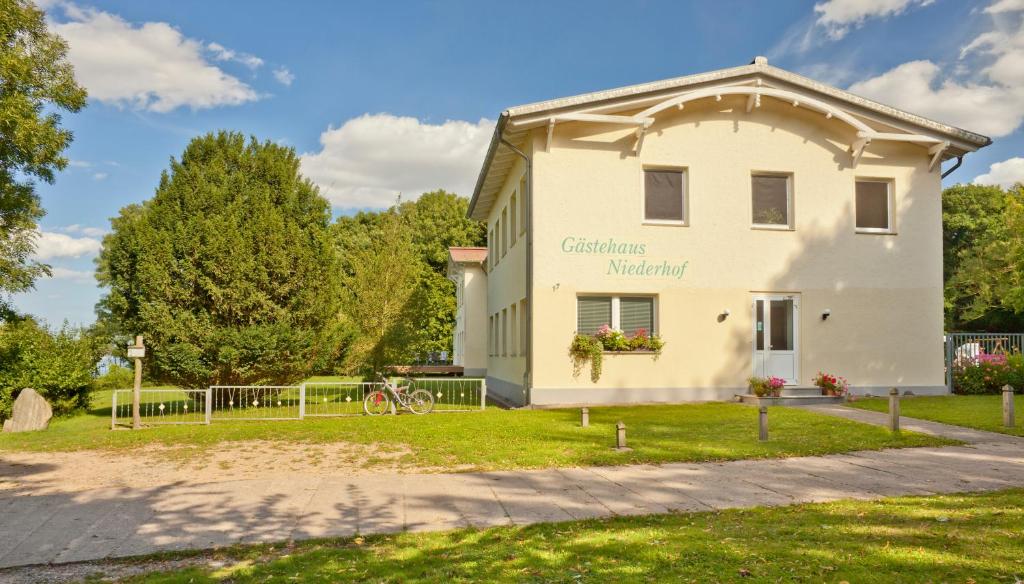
<point x="467" y="269"/>
<point x="759" y="222"/>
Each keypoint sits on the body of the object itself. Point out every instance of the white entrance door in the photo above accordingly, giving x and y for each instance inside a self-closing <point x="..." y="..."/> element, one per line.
<point x="776" y="338"/>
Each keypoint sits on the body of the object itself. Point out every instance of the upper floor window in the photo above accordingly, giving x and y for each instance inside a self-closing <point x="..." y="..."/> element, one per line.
<point x="504" y="231"/>
<point x="664" y="196"/>
<point x="491" y="256"/>
<point x="874" y="206"/>
<point x="513" y="231"/>
<point x="772" y="200"/>
<point x="522" y="204"/>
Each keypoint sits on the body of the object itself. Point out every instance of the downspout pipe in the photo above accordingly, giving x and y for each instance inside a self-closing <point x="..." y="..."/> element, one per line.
<point x="959" y="161"/>
<point x="528" y="373"/>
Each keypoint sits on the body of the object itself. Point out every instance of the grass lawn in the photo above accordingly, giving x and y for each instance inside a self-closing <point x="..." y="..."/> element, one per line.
<point x="956" y="538"/>
<point x="507" y="439"/>
<point x="984" y="412"/>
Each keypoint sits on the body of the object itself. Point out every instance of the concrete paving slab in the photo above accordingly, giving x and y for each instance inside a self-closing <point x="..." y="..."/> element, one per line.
<point x="523" y="503"/>
<point x="643" y="481"/>
<point x="475" y="500"/>
<point x="618" y="499"/>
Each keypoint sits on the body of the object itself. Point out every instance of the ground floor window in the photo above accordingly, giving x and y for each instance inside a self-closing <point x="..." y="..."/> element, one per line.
<point x="626" y="313"/>
<point x="523" y="329"/>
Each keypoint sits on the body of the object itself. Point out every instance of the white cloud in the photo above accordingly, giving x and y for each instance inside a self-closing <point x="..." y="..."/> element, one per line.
<point x="838" y="16"/>
<point x="59" y="273"/>
<point x="284" y="76"/>
<point x="150" y="66"/>
<point x="1005" y="174"/>
<point x="99" y="176"/>
<point x="1001" y="6"/>
<point x="222" y="53"/>
<point x="59" y="245"/>
<point x="79" y="164"/>
<point x="370" y="159"/>
<point x="990" y="109"/>
<point x="984" y="93"/>
<point x="90" y="231"/>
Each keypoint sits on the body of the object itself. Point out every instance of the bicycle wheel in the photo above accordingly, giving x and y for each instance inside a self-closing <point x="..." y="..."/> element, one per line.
<point x="421" y="402"/>
<point x="376" y="403"/>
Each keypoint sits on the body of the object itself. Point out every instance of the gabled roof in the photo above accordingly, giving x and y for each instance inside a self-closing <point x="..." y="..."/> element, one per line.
<point x="871" y="120"/>
<point x="468" y="255"/>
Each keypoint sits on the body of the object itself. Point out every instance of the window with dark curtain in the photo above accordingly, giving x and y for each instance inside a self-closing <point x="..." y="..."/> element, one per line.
<point x="872" y="205"/>
<point x="663" y="195"/>
<point x="771" y="199"/>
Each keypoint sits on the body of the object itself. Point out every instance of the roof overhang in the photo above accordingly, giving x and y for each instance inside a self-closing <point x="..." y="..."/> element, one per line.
<point x="637" y="107"/>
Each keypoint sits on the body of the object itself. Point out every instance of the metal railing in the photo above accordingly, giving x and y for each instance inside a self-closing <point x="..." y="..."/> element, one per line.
<point x="221" y="403"/>
<point x="964" y="347"/>
<point x="161" y="406"/>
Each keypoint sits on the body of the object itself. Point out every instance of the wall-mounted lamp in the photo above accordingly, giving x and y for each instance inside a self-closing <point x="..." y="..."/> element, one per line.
<point x="723" y="315"/>
<point x="726" y="312"/>
<point x="826" y="313"/>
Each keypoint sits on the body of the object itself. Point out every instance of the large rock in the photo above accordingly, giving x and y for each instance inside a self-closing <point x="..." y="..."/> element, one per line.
<point x="30" y="412"/>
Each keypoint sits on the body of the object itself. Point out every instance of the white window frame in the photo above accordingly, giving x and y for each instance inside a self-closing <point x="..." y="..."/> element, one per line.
<point x="790" y="219"/>
<point x="685" y="222"/>
<point x="616" y="305"/>
<point x="513" y="214"/>
<point x="891" y="202"/>
<point x="522" y="203"/>
<point x="522" y="328"/>
<point x="504" y="231"/>
<point x="504" y="332"/>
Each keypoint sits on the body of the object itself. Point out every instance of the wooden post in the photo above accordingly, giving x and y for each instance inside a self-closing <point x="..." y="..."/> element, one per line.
<point x="1008" y="420"/>
<point x="585" y="417"/>
<point x="137" y="389"/>
<point x="113" y="411"/>
<point x="620" y="436"/>
<point x="894" y="410"/>
<point x="762" y="424"/>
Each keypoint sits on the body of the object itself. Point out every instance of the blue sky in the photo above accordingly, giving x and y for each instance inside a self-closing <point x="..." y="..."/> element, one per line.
<point x="389" y="97"/>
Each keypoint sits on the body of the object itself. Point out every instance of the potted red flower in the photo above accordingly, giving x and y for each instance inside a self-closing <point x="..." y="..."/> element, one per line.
<point x="833" y="385"/>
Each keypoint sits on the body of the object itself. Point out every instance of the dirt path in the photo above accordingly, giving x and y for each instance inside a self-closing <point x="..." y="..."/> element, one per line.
<point x="40" y="473"/>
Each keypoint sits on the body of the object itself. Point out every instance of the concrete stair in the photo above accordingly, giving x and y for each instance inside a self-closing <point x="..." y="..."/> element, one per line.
<point x="792" y="396"/>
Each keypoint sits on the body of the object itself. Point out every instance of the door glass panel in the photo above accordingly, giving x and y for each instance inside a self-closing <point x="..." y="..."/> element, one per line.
<point x="759" y="324"/>
<point x="782" y="325"/>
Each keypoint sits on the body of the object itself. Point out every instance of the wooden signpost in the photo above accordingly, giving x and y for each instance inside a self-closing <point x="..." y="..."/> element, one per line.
<point x="137" y="352"/>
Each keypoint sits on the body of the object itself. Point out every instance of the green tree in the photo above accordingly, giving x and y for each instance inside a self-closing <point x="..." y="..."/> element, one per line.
<point x="438" y="221"/>
<point x="977" y="237"/>
<point x="431" y="224"/>
<point x="382" y="273"/>
<point x="229" y="270"/>
<point x="36" y="81"/>
<point x="59" y="364"/>
<point x="986" y="291"/>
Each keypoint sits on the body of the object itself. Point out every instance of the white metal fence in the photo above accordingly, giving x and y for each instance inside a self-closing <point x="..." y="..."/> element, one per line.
<point x="221" y="403"/>
<point x="965" y="347"/>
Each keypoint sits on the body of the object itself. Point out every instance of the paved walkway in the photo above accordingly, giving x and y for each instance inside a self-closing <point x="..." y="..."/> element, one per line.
<point x="117" y="522"/>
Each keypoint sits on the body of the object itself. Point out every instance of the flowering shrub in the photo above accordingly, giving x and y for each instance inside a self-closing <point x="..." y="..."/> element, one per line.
<point x="589" y="348"/>
<point x="766" y="386"/>
<point x="831" y="384"/>
<point x="988" y="373"/>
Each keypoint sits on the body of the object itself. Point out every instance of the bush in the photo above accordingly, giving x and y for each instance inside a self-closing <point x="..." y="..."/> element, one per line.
<point x="116" y="377"/>
<point x="58" y="364"/>
<point x="988" y="373"/>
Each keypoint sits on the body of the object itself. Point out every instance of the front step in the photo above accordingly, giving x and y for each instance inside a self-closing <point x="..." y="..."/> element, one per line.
<point x="800" y="391"/>
<point x="790" y="400"/>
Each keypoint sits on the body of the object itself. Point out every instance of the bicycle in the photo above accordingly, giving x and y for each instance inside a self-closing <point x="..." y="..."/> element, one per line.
<point x="380" y="401"/>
